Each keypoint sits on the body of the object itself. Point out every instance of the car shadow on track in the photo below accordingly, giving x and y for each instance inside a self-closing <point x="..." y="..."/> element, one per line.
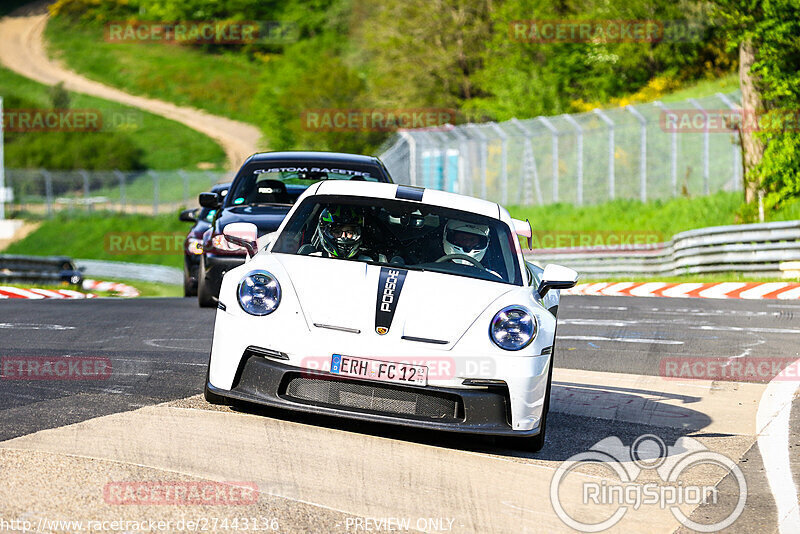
<point x="579" y="418"/>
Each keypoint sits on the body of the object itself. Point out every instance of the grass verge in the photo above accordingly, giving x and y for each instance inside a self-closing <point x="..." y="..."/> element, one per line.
<point x="223" y="84"/>
<point x="156" y="240"/>
<point x="663" y="217"/>
<point x="166" y="144"/>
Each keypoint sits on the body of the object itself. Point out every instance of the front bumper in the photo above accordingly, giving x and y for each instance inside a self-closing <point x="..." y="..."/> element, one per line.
<point x="267" y="382"/>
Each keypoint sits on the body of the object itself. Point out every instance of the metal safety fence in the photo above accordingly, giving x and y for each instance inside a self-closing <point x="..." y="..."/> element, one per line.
<point x="761" y="249"/>
<point x="45" y="192"/>
<point x="645" y="152"/>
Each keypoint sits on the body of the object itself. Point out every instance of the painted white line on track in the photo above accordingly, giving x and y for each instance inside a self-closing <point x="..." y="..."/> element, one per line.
<point x="624" y="340"/>
<point x="748" y="329"/>
<point x="772" y="422"/>
<point x="33" y="326"/>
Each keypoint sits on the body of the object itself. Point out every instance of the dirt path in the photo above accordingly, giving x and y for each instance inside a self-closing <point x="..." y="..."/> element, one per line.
<point x="22" y="49"/>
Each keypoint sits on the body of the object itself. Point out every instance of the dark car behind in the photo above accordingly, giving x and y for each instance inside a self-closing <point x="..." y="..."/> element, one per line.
<point x="193" y="244"/>
<point x="262" y="193"/>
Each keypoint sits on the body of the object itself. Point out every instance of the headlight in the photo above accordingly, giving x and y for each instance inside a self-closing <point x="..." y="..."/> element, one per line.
<point x="513" y="328"/>
<point x="194" y="246"/>
<point x="259" y="293"/>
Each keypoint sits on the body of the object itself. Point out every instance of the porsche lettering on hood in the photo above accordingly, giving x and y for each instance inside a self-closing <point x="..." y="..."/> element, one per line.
<point x="390" y="284"/>
<point x="351" y="294"/>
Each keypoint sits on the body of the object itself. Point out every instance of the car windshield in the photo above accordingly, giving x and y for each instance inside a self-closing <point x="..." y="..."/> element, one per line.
<point x="408" y="235"/>
<point x="282" y="183"/>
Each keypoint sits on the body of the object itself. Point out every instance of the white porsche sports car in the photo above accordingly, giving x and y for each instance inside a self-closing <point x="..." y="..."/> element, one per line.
<point x="394" y="304"/>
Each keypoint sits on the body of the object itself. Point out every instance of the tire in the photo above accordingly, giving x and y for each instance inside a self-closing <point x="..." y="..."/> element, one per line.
<point x="204" y="296"/>
<point x="189" y="290"/>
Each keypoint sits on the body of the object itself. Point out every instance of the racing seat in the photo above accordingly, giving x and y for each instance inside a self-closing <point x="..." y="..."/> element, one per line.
<point x="270" y="192"/>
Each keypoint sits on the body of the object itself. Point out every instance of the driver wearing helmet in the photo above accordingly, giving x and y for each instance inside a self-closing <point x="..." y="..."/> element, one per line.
<point x="339" y="232"/>
<point x="465" y="238"/>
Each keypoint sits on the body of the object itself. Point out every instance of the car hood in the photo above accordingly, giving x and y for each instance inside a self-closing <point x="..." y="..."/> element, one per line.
<point x="434" y="307"/>
<point x="266" y="218"/>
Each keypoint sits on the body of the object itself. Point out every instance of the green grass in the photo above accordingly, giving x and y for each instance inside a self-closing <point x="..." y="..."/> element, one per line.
<point x="664" y="217"/>
<point x="166" y="144"/>
<point x="223" y="84"/>
<point x="726" y="84"/>
<point x="90" y="237"/>
<point x="151" y="289"/>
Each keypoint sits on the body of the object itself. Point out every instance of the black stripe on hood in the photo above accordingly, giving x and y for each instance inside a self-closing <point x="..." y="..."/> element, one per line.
<point x="390" y="284"/>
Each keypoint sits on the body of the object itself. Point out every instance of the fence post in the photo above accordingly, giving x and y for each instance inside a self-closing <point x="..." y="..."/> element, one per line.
<point x="642" y="153"/>
<point x="673" y="151"/>
<point x="185" y="178"/>
<point x="611" y="153"/>
<point x="463" y="158"/>
<point x="528" y="162"/>
<point x="155" y="191"/>
<point x="85" y="176"/>
<point x="412" y="156"/>
<point x="48" y="191"/>
<point x="484" y="158"/>
<point x="574" y="123"/>
<point x="737" y="148"/>
<point x="504" y="158"/>
<point x="121" y="177"/>
<point x="706" y="187"/>
<point x="554" y="133"/>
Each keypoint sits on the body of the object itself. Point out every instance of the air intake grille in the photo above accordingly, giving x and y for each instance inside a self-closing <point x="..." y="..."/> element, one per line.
<point x="344" y="393"/>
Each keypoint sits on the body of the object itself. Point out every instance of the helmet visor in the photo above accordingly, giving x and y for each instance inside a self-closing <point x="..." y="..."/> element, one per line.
<point x="467" y="241"/>
<point x="342" y="233"/>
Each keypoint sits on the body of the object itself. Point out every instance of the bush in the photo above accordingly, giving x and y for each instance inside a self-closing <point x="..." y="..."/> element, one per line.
<point x="72" y="150"/>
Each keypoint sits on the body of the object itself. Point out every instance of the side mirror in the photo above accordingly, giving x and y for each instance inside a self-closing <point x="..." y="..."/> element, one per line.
<point x="242" y="234"/>
<point x="188" y="215"/>
<point x="556" y="277"/>
<point x="210" y="200"/>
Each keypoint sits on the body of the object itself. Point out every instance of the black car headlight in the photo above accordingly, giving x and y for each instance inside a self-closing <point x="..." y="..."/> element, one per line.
<point x="259" y="293"/>
<point x="513" y="328"/>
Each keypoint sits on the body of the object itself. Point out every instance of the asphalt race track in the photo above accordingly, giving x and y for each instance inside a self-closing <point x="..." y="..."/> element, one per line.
<point x="64" y="441"/>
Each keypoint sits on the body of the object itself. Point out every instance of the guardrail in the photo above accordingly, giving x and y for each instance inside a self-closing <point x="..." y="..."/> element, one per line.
<point x="131" y="271"/>
<point x="763" y="249"/>
<point x="39" y="270"/>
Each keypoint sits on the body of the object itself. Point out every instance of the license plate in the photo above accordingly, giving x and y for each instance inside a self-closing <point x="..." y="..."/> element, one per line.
<point x="404" y="373"/>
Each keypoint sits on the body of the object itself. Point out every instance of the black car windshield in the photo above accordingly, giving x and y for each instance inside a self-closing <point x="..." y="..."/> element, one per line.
<point x="408" y="235"/>
<point x="282" y="183"/>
